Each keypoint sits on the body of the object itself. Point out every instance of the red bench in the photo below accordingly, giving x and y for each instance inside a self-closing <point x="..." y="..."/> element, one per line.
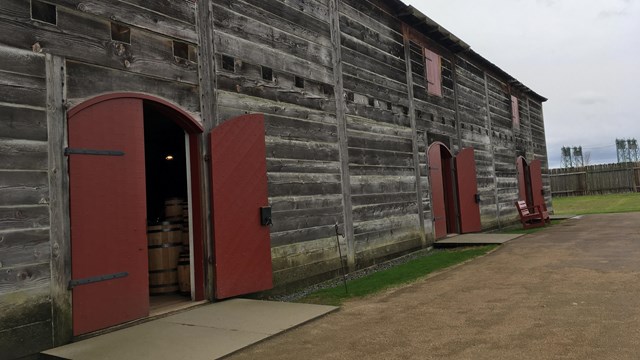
<point x="532" y="217"/>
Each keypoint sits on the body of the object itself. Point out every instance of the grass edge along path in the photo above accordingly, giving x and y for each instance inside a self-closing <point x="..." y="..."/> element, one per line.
<point x="597" y="204"/>
<point x="397" y="275"/>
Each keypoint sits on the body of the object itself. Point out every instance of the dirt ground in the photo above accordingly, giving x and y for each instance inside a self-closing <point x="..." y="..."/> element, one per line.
<point x="569" y="292"/>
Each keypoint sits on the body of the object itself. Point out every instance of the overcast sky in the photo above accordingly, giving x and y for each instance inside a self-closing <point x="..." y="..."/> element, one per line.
<point x="582" y="55"/>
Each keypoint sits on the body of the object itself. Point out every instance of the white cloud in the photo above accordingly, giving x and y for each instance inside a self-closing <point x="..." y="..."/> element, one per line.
<point x="582" y="55"/>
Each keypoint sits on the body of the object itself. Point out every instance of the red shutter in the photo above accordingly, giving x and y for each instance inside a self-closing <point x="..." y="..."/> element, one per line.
<point x="239" y="177"/>
<point x="515" y="113"/>
<point x="434" y="76"/>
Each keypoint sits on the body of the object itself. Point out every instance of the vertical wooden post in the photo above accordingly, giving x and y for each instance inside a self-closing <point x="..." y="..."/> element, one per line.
<point x="414" y="132"/>
<point x="493" y="157"/>
<point x="208" y="106"/>
<point x="341" y="111"/>
<point x="454" y="75"/>
<point x="60" y="233"/>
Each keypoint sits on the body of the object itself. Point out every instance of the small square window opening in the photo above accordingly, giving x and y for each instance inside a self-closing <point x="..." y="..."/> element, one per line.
<point x="43" y="12"/>
<point x="120" y="33"/>
<point x="267" y="73"/>
<point x="228" y="63"/>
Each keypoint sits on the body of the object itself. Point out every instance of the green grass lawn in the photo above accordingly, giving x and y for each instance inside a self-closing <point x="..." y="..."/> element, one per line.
<point x="597" y="204"/>
<point x="395" y="276"/>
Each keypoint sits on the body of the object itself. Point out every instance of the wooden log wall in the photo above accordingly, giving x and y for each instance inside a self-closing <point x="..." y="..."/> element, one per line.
<point x="475" y="131"/>
<point x="380" y="146"/>
<point x="25" y="252"/>
<point x="91" y="63"/>
<point x="348" y="122"/>
<point x="276" y="58"/>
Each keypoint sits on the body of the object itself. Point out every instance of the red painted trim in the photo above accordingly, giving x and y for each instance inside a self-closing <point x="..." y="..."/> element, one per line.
<point x="184" y="119"/>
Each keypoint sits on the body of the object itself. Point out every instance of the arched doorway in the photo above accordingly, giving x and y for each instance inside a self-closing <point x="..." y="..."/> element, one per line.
<point x="114" y="142"/>
<point x="530" y="187"/>
<point x="455" y="203"/>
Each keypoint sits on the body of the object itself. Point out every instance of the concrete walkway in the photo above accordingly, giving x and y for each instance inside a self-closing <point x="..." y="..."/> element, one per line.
<point x="207" y="332"/>
<point x="571" y="291"/>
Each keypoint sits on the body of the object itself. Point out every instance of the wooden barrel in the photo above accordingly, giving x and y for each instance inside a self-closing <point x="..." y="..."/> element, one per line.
<point x="185" y="224"/>
<point x="184" y="273"/>
<point x="164" y="246"/>
<point x="173" y="208"/>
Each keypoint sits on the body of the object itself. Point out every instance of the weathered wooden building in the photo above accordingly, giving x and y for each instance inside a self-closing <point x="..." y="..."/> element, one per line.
<point x="364" y="113"/>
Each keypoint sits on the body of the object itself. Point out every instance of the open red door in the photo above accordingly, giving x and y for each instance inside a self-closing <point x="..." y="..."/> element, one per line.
<point x="242" y="245"/>
<point x="523" y="179"/>
<point x="438" y="208"/>
<point x="468" y="203"/>
<point x="108" y="215"/>
<point x="535" y="172"/>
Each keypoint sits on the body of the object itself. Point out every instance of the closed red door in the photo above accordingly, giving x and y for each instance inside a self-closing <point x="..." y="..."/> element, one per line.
<point x="438" y="207"/>
<point x="467" y="186"/>
<point x="108" y="215"/>
<point x="537" y="192"/>
<point x="242" y="246"/>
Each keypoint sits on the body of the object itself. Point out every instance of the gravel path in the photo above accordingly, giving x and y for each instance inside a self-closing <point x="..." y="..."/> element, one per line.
<point x="569" y="292"/>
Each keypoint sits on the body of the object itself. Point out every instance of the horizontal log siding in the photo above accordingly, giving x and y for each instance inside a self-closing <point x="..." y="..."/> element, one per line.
<point x="83" y="35"/>
<point x="303" y="161"/>
<point x="504" y="148"/>
<point x="25" y="250"/>
<point x="381" y="164"/>
<point x="474" y="132"/>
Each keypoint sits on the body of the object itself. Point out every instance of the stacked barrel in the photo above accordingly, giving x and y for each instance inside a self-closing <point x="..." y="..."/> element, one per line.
<point x="169" y="250"/>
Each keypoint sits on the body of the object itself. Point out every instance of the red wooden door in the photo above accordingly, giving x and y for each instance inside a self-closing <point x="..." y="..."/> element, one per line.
<point x="108" y="215"/>
<point x="242" y="245"/>
<point x="438" y="208"/>
<point x="537" y="192"/>
<point x="467" y="186"/>
<point x="521" y="166"/>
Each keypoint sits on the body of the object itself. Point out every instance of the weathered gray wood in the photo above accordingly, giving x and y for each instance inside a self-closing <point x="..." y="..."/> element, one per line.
<point x="414" y="135"/>
<point x="23" y="188"/>
<point x="209" y="108"/>
<point x="78" y="36"/>
<point x="493" y="161"/>
<point x="256" y="53"/>
<point x="265" y="34"/>
<point x="22" y="123"/>
<point x="21" y="61"/>
<point x="23" y="154"/>
<point x="18" y="248"/>
<point x="32" y="339"/>
<point x="341" y="115"/>
<point x="86" y="81"/>
<point x="18" y="309"/>
<point x="59" y="201"/>
<point x="145" y="16"/>
<point x="24" y="277"/>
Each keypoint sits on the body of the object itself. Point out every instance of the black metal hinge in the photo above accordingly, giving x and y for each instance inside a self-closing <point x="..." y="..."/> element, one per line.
<point x="71" y="151"/>
<point x="95" y="279"/>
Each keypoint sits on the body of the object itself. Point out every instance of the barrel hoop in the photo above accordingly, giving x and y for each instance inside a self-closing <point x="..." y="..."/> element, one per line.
<point x="162" y="271"/>
<point x="162" y="286"/>
<point x="164" y="246"/>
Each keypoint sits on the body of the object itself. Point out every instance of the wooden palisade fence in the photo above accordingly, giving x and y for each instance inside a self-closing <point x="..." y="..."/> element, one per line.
<point x="595" y="179"/>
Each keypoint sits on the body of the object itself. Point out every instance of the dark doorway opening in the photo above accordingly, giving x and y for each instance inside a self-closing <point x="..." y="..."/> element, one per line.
<point x="168" y="231"/>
